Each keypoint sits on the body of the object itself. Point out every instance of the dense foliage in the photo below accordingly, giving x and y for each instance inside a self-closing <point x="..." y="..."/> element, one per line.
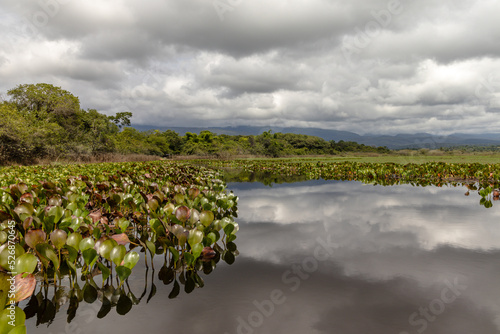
<point x="43" y="121"/>
<point x="74" y="220"/>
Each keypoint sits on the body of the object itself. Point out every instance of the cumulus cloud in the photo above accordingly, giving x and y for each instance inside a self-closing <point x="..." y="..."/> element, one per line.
<point x="364" y="66"/>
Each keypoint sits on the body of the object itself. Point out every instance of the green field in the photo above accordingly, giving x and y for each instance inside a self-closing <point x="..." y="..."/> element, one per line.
<point x="400" y="159"/>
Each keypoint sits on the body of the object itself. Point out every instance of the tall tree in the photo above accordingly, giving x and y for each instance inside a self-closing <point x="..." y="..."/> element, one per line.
<point x="44" y="102"/>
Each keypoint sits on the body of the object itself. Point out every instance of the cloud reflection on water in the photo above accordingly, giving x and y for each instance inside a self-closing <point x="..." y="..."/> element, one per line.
<point x="417" y="236"/>
<point x="396" y="249"/>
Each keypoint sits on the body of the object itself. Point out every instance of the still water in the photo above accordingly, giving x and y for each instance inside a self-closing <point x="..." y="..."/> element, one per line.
<point x="331" y="257"/>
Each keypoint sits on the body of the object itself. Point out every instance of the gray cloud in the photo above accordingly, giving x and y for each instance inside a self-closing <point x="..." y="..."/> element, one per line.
<point x="364" y="66"/>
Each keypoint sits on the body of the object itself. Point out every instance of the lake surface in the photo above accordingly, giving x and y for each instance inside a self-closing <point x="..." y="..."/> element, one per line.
<point x="331" y="257"/>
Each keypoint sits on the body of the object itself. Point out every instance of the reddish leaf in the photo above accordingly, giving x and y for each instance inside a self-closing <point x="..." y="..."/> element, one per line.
<point x="26" y="198"/>
<point x="102" y="186"/>
<point x="34" y="237"/>
<point x="193" y="192"/>
<point x="207" y="253"/>
<point x="104" y="220"/>
<point x="121" y="239"/>
<point x="96" y="216"/>
<point x="24" y="286"/>
<point x="182" y="213"/>
<point x="27" y="222"/>
<point x="4" y="216"/>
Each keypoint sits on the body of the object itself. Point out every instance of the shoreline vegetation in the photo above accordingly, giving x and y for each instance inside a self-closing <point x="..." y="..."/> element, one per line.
<point x="44" y="124"/>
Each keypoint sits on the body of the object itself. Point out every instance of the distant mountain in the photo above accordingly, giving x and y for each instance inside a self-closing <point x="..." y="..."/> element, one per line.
<point x="399" y="141"/>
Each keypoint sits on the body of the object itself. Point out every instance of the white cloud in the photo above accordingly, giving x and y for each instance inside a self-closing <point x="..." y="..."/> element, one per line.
<point x="424" y="67"/>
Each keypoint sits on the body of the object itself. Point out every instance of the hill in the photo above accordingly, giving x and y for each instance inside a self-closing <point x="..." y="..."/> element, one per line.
<point x="399" y="141"/>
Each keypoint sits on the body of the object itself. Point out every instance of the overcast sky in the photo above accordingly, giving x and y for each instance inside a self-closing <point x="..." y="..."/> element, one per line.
<point x="368" y="66"/>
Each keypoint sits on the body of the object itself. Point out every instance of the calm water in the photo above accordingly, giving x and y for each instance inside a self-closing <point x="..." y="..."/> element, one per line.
<point x="332" y="257"/>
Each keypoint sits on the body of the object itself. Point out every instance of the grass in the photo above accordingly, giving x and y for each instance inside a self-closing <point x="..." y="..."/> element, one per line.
<point x="400" y="159"/>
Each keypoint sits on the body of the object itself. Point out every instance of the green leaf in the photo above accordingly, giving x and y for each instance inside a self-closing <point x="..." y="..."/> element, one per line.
<point x="175" y="253"/>
<point x="58" y="238"/>
<point x="89" y="255"/>
<point x="57" y="212"/>
<point x="212" y="237"/>
<point x="228" y="257"/>
<point x="96" y="233"/>
<point x="123" y="272"/>
<point x="153" y="204"/>
<point x="24" y="208"/>
<point x="228" y="229"/>
<point x="104" y="270"/>
<point x="131" y="259"/>
<point x="123" y="224"/>
<point x="124" y="304"/>
<point x="189" y="258"/>
<point x="4" y="288"/>
<point x="73" y="240"/>
<point x="151" y="247"/>
<point x="71" y="266"/>
<point x="18" y="330"/>
<point x="86" y="243"/>
<point x="196" y="250"/>
<point x="231" y="246"/>
<point x="48" y="252"/>
<point x="26" y="263"/>
<point x="117" y="254"/>
<point x="72" y="253"/>
<point x="175" y="290"/>
<point x="106" y="247"/>
<point x="105" y="308"/>
<point x="19" y="316"/>
<point x="156" y="225"/>
<point x="89" y="293"/>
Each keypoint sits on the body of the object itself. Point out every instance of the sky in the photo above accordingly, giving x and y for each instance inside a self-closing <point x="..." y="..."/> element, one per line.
<point x="367" y="66"/>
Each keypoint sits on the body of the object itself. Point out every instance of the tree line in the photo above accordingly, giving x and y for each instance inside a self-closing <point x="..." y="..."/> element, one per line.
<point x="42" y="121"/>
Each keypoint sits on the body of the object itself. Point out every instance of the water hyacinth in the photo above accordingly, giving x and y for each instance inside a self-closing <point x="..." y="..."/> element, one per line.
<point x="86" y="243"/>
<point x="34" y="237"/>
<point x="195" y="237"/>
<point x="73" y="240"/>
<point x="130" y="259"/>
<point x="117" y="254"/>
<point x="26" y="263"/>
<point x="206" y="217"/>
<point x="88" y="219"/>
<point x="106" y="247"/>
<point x="182" y="213"/>
<point x="58" y="238"/>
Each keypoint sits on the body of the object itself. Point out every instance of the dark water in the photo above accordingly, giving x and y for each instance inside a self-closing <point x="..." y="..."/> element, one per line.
<point x="332" y="257"/>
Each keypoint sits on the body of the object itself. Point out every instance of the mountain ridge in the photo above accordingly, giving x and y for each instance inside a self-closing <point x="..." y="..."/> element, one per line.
<point x="398" y="141"/>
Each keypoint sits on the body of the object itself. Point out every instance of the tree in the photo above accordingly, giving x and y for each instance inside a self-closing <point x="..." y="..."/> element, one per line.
<point x="98" y="132"/>
<point x="121" y="119"/>
<point x="174" y="141"/>
<point x="17" y="137"/>
<point x="53" y="111"/>
<point x="44" y="102"/>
